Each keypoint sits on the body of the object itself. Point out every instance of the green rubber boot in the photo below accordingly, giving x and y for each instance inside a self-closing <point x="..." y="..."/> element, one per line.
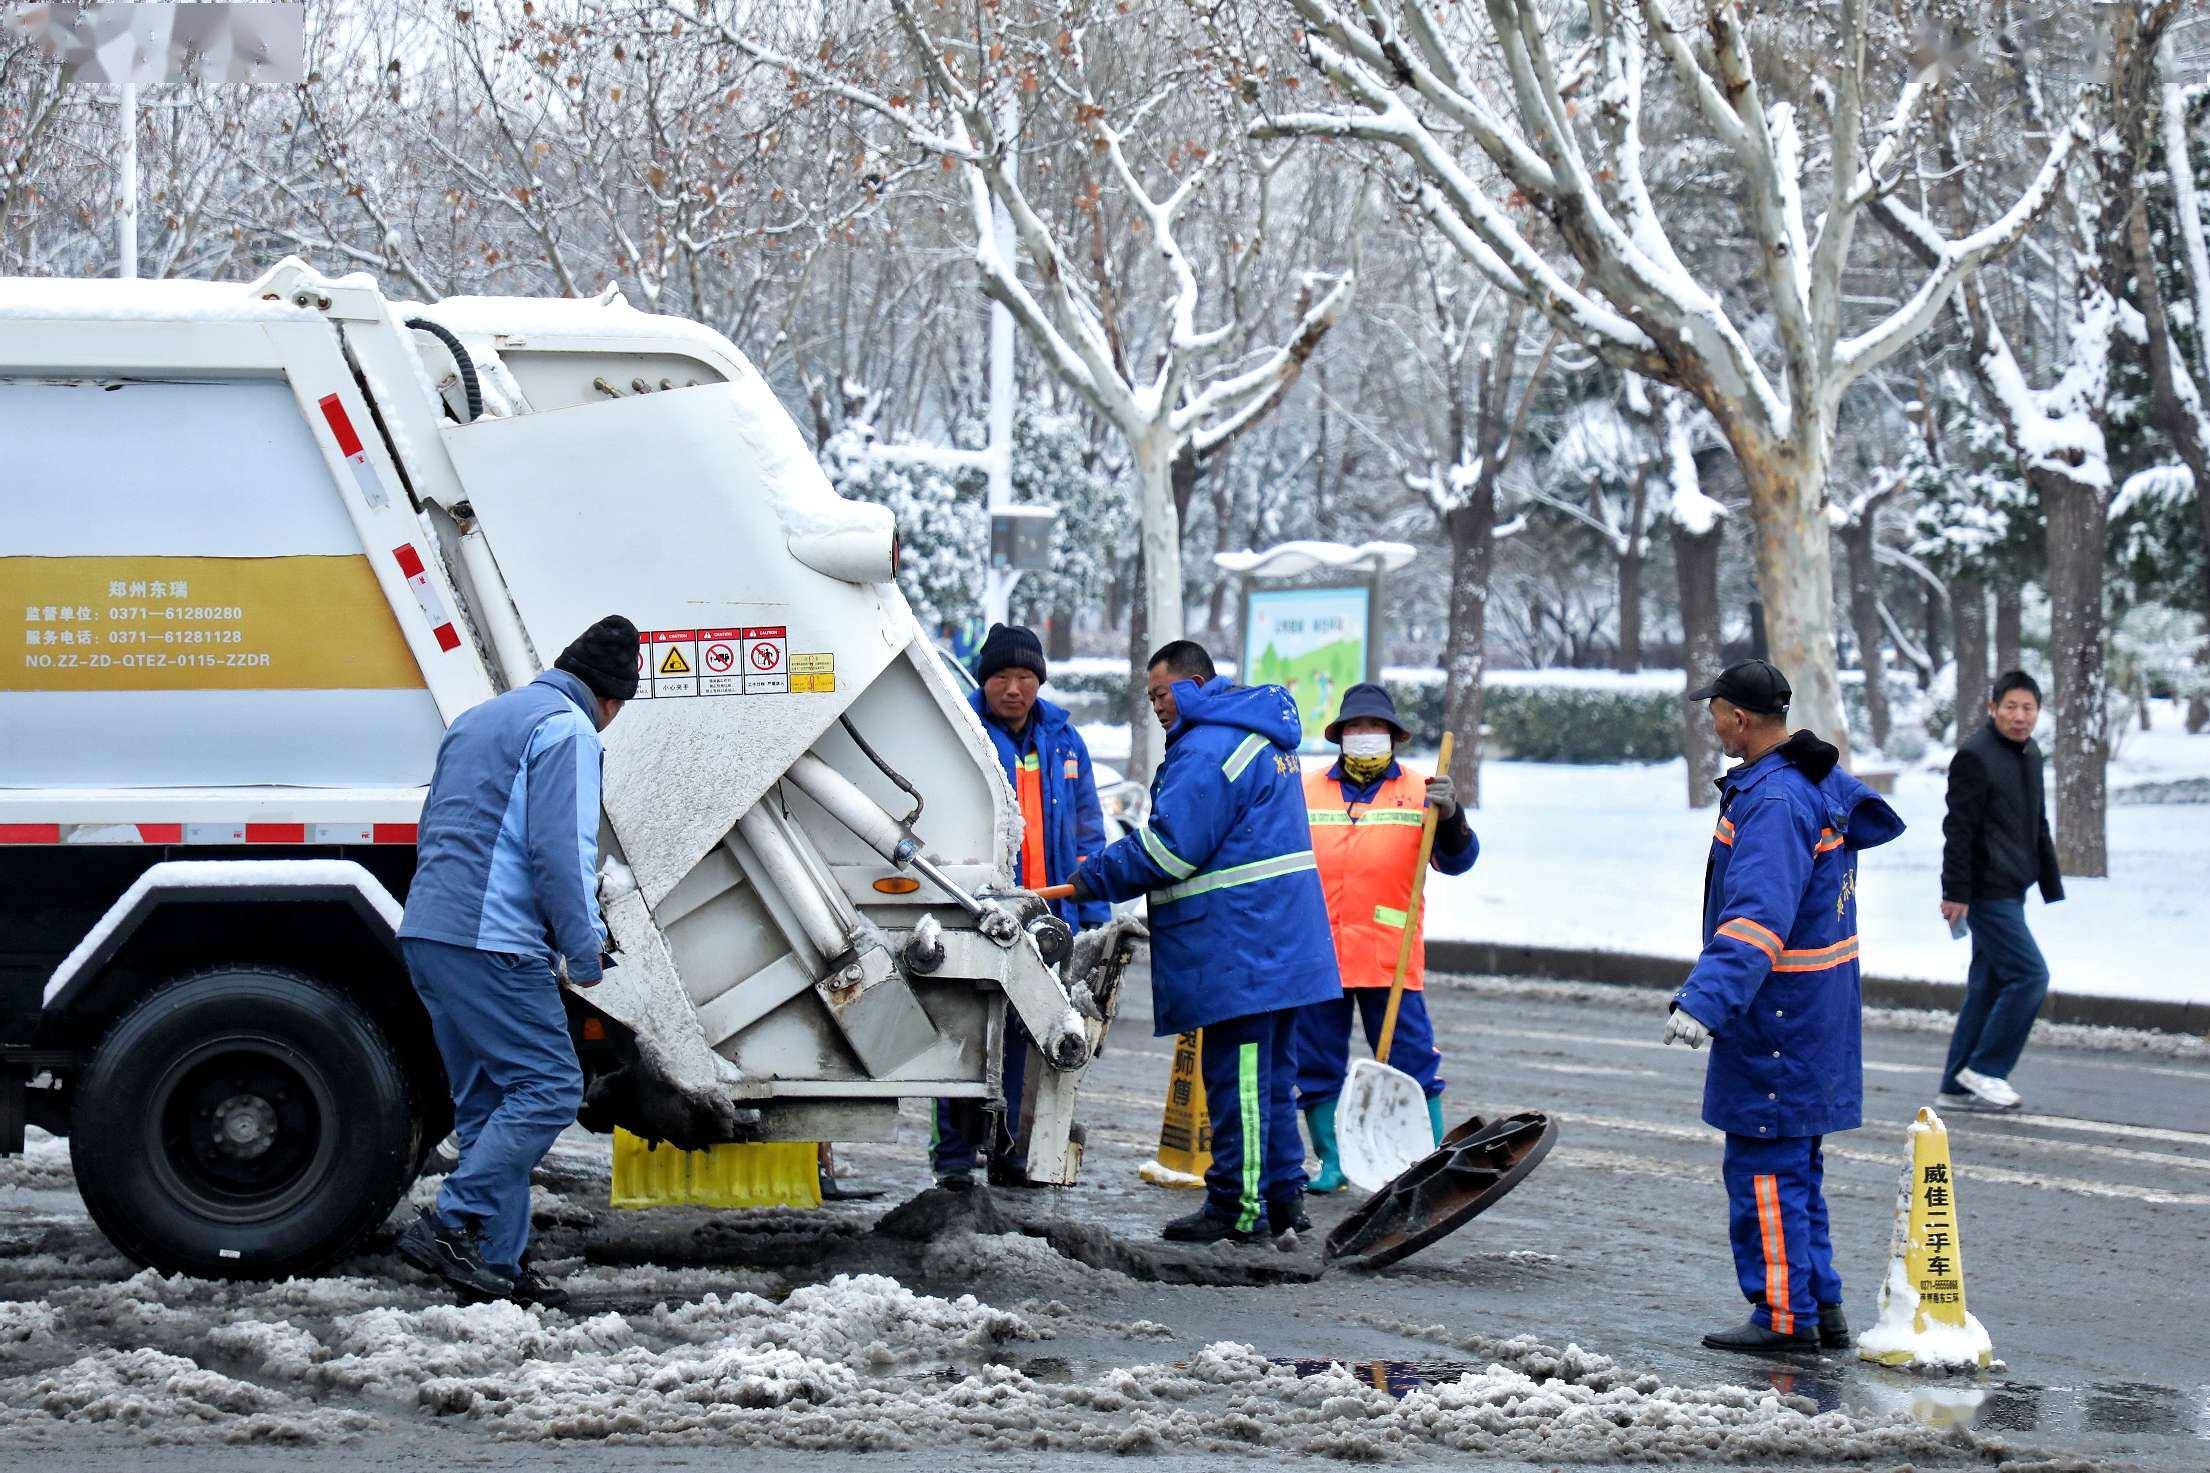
<point x="1435" y="1116"/>
<point x="1320" y="1129"/>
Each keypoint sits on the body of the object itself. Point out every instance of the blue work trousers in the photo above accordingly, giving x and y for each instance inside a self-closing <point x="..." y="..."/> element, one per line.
<point x="1258" y="1155"/>
<point x="1776" y="1219"/>
<point x="962" y="1127"/>
<point x="503" y="1034"/>
<point x="1324" y="1042"/>
<point x="2002" y="993"/>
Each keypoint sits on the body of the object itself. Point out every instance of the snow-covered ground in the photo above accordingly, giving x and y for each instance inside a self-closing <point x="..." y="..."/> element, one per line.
<point x="1612" y="859"/>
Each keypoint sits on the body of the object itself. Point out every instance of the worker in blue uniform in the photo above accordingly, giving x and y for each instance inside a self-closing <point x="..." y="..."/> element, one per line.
<point x="1775" y="992"/>
<point x="1239" y="928"/>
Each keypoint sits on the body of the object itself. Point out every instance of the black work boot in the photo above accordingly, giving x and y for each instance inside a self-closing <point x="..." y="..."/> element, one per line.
<point x="451" y="1255"/>
<point x="1288" y="1217"/>
<point x="1834" y="1328"/>
<point x="1203" y="1227"/>
<point x="1752" y="1338"/>
<point x="532" y="1287"/>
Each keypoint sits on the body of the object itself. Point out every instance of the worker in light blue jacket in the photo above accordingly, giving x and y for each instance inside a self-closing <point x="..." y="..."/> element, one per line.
<point x="504" y="904"/>
<point x="1776" y="994"/>
<point x="1239" y="927"/>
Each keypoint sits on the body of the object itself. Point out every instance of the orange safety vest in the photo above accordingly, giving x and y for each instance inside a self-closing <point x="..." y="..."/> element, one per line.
<point x="1366" y="854"/>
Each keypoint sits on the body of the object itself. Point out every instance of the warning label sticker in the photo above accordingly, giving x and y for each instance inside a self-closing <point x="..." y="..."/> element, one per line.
<point x="728" y="662"/>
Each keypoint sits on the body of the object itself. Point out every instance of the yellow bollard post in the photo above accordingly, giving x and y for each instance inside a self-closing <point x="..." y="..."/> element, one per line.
<point x="1185" y="1130"/>
<point x="1923" y="1320"/>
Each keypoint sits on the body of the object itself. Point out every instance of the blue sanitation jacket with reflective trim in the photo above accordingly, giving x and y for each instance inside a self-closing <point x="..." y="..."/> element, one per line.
<point x="508" y="851"/>
<point x="1238" y="921"/>
<point x="1074" y="825"/>
<point x="1777" y="983"/>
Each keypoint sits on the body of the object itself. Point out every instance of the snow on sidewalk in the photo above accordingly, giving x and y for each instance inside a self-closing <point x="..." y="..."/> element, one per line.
<point x="1612" y="859"/>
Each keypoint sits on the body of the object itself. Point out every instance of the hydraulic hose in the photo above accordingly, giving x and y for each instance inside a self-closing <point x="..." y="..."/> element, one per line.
<point x="453" y="345"/>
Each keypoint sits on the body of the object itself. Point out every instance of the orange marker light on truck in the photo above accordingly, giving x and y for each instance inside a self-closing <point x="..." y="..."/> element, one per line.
<point x="897" y="885"/>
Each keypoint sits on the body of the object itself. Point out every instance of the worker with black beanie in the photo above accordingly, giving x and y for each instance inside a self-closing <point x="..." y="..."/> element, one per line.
<point x="503" y="906"/>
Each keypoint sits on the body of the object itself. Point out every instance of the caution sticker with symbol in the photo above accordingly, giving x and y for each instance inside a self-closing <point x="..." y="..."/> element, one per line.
<point x="728" y="662"/>
<point x="766" y="661"/>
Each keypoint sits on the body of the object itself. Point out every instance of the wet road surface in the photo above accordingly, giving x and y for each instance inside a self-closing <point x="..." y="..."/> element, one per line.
<point x="2084" y="1221"/>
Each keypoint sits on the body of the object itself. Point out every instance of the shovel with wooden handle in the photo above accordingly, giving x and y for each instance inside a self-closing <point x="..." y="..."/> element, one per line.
<point x="1381" y="1122"/>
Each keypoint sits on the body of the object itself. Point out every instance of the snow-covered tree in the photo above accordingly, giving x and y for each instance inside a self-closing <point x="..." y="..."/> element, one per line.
<point x="1056" y="462"/>
<point x="943" y="524"/>
<point x="1510" y="115"/>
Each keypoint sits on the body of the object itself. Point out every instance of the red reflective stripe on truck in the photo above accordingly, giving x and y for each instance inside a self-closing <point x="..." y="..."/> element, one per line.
<point x="433" y="607"/>
<point x="30" y="833"/>
<point x="276" y="833"/>
<point x="341" y="426"/>
<point x="160" y="833"/>
<point x="392" y="833"/>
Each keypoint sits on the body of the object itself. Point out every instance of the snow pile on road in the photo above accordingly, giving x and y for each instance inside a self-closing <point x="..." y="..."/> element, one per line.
<point x="167" y="1398"/>
<point x="43" y="1166"/>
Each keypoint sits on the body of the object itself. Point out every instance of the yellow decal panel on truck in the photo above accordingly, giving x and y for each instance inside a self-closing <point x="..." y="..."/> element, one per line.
<point x="198" y="623"/>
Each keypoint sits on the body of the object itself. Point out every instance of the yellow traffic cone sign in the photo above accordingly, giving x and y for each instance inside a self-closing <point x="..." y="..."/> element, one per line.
<point x="1185" y="1131"/>
<point x="1923" y="1321"/>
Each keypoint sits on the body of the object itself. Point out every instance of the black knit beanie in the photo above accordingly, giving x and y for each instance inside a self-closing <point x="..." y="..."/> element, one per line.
<point x="1010" y="647"/>
<point x="604" y="657"/>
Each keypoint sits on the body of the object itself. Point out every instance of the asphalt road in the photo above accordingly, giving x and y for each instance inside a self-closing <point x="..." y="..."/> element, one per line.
<point x="2084" y="1221"/>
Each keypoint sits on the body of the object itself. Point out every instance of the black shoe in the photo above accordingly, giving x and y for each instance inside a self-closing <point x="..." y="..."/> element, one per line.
<point x="450" y="1255"/>
<point x="1752" y="1338"/>
<point x="532" y="1287"/>
<point x="956" y="1181"/>
<point x="1288" y="1217"/>
<point x="1007" y="1174"/>
<point x="1202" y="1227"/>
<point x="1833" y="1328"/>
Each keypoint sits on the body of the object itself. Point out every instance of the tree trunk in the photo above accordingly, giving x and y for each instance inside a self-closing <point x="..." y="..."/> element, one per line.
<point x="1630" y="606"/>
<point x="1145" y="742"/>
<point x="1933" y="639"/>
<point x="1968" y="611"/>
<point x="1472" y="530"/>
<point x="1795" y="578"/>
<point x="1696" y="567"/>
<point x="2198" y="705"/>
<point x="1062" y="631"/>
<point x="2009" y="599"/>
<point x="1864" y="620"/>
<point x="2078" y="531"/>
<point x="1162" y="590"/>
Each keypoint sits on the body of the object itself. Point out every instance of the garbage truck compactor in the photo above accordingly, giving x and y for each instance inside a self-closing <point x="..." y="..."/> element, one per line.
<point x="261" y="544"/>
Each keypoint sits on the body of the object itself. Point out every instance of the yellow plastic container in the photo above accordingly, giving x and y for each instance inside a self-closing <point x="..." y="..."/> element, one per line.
<point x="769" y="1174"/>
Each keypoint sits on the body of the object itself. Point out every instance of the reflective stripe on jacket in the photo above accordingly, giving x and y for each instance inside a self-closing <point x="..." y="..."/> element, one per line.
<point x="1777" y="983"/>
<point x="1367" y="841"/>
<point x="1238" y="922"/>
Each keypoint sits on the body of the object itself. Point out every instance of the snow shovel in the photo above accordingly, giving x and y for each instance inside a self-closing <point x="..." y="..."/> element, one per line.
<point x="1381" y="1123"/>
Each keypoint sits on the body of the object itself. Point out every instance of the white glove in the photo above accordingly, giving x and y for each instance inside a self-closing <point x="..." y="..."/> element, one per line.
<point x="1442" y="796"/>
<point x="615" y="880"/>
<point x="1682" y="1027"/>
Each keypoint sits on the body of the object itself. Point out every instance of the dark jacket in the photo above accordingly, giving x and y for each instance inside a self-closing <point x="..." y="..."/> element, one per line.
<point x="1239" y="924"/>
<point x="1996" y="840"/>
<point x="1074" y="825"/>
<point x="1777" y="982"/>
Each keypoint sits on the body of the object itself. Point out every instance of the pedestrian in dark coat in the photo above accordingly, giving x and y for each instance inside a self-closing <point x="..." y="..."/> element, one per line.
<point x="1776" y="994"/>
<point x="1995" y="844"/>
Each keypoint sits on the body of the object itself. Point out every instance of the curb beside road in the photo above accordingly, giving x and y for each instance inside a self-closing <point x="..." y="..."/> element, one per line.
<point x="1634" y="969"/>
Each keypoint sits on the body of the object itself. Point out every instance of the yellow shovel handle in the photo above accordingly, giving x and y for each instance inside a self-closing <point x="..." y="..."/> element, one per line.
<point x="1411" y="915"/>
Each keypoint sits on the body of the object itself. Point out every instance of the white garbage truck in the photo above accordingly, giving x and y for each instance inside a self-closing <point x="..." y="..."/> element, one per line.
<point x="259" y="545"/>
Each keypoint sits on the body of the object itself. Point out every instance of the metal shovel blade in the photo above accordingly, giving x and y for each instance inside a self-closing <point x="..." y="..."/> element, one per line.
<point x="1381" y="1124"/>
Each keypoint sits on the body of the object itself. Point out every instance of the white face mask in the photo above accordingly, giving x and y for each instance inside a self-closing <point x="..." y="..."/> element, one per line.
<point x="1368" y="744"/>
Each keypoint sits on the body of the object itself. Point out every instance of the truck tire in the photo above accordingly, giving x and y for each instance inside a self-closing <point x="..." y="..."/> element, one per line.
<point x="243" y="1122"/>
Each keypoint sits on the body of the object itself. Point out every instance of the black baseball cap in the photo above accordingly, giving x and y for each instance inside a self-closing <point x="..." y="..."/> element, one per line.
<point x="1754" y="685"/>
